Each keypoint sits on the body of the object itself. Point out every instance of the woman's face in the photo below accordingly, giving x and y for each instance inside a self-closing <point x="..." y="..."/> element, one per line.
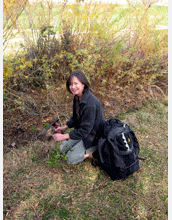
<point x="76" y="87"/>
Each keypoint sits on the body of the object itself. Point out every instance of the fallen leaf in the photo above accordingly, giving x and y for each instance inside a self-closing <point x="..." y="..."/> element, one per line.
<point x="36" y="204"/>
<point x="5" y="172"/>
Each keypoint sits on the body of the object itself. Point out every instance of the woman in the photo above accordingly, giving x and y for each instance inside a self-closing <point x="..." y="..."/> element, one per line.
<point x="86" y="119"/>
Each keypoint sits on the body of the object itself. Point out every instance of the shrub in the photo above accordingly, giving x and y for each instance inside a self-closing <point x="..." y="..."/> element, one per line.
<point x="104" y="40"/>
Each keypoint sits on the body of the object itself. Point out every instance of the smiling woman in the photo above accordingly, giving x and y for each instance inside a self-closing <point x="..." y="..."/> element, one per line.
<point x="76" y="87"/>
<point x="77" y="83"/>
<point x="86" y="119"/>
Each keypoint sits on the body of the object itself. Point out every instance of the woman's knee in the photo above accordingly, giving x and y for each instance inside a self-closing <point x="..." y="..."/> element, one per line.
<point x="76" y="154"/>
<point x="67" y="145"/>
<point x="64" y="147"/>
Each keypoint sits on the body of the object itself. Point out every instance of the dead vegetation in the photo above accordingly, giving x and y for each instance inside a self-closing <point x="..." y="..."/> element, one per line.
<point x="34" y="189"/>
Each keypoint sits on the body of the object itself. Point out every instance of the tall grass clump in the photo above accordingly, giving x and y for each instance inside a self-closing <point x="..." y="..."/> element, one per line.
<point x="106" y="41"/>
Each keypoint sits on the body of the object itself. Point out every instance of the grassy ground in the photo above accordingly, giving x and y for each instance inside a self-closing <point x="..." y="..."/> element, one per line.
<point x="35" y="190"/>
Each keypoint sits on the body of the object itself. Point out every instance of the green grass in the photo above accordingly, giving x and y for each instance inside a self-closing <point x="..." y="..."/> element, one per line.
<point x="35" y="190"/>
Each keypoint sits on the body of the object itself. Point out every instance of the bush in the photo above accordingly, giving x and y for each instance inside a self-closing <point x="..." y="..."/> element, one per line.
<point x="109" y="41"/>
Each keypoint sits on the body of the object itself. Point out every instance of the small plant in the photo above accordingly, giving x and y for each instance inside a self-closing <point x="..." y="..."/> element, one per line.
<point x="55" y="156"/>
<point x="46" y="125"/>
<point x="5" y="96"/>
<point x="33" y="128"/>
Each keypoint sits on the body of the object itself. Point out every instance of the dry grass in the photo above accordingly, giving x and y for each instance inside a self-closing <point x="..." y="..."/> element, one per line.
<point x="35" y="190"/>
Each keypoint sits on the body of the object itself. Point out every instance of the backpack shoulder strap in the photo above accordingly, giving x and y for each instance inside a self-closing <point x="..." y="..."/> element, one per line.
<point x="100" y="145"/>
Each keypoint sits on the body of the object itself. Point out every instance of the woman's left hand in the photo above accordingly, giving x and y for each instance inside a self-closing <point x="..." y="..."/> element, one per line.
<point x="60" y="137"/>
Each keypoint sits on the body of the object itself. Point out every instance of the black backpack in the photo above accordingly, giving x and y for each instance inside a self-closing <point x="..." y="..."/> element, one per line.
<point x="118" y="150"/>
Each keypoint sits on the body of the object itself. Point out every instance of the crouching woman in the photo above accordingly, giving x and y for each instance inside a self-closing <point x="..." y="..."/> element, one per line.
<point x="87" y="116"/>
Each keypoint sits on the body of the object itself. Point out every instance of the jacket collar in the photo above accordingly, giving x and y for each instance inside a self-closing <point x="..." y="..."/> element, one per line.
<point x="85" y="97"/>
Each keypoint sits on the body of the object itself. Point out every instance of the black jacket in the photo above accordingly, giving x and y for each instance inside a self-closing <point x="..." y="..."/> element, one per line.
<point x="86" y="119"/>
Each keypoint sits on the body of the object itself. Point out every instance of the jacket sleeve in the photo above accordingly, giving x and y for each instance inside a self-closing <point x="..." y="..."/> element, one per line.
<point x="70" y="123"/>
<point x="87" y="123"/>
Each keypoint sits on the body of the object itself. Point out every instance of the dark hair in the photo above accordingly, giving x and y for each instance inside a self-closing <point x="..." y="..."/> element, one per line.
<point x="81" y="77"/>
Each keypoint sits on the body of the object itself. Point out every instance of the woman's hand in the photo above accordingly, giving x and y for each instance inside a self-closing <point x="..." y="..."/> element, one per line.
<point x="60" y="137"/>
<point x="61" y="129"/>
